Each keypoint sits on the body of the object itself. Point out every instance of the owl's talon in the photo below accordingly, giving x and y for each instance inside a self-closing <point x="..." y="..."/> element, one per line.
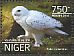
<point x="36" y="45"/>
<point x="41" y="43"/>
<point x="20" y="36"/>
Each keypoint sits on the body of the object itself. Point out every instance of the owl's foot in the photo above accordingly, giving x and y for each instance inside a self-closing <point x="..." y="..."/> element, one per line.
<point x="20" y="37"/>
<point x="37" y="44"/>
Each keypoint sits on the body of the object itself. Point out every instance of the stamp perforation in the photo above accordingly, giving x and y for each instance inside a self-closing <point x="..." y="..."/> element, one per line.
<point x="0" y="20"/>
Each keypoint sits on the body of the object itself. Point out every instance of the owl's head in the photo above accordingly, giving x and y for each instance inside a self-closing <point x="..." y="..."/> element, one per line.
<point x="19" y="11"/>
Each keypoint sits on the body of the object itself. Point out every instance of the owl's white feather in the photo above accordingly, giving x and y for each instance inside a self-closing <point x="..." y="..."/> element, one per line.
<point x="40" y="21"/>
<point x="35" y="23"/>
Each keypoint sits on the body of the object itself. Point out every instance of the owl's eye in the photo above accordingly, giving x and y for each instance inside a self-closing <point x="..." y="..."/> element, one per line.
<point x="18" y="10"/>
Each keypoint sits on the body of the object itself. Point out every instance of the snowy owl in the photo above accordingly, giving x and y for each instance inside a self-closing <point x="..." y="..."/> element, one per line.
<point x="36" y="23"/>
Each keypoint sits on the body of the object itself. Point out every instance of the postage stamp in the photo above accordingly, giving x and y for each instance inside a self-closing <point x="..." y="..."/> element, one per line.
<point x="36" y="27"/>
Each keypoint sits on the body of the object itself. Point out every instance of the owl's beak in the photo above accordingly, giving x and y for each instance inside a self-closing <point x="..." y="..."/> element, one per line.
<point x="17" y="14"/>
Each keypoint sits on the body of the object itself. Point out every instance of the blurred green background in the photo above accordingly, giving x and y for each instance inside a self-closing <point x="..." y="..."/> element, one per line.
<point x="40" y="5"/>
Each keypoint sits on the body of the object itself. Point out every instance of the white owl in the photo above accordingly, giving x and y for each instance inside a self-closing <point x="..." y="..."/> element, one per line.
<point x="36" y="23"/>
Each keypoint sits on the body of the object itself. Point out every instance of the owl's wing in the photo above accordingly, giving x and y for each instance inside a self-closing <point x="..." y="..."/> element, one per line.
<point x="40" y="21"/>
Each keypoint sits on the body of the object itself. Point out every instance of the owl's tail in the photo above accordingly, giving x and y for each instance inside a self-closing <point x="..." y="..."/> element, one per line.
<point x="61" y="32"/>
